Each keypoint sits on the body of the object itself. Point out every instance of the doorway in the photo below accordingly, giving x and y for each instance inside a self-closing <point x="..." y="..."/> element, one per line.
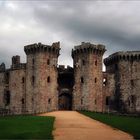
<point x="65" y="101"/>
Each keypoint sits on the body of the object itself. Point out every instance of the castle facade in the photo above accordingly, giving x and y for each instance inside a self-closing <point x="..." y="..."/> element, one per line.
<point x="40" y="85"/>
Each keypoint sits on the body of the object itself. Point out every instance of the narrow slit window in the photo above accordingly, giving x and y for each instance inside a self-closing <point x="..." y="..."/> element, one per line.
<point x="33" y="80"/>
<point x="83" y="62"/>
<point x="49" y="101"/>
<point x="95" y="80"/>
<point x="48" y="79"/>
<point x="23" y="80"/>
<point x="96" y="63"/>
<point x="48" y="62"/>
<point x="82" y="80"/>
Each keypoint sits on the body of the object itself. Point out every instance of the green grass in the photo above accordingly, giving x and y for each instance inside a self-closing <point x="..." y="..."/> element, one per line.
<point x="127" y="124"/>
<point x="26" y="127"/>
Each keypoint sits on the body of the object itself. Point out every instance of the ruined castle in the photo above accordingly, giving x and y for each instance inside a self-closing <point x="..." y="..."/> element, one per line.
<point x="40" y="85"/>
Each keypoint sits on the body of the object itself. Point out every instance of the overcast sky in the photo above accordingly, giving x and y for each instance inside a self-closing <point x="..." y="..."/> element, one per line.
<point x="116" y="24"/>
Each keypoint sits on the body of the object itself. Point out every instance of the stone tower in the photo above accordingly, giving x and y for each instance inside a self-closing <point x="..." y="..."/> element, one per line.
<point x="123" y="69"/>
<point x="41" y="77"/>
<point x="87" y="90"/>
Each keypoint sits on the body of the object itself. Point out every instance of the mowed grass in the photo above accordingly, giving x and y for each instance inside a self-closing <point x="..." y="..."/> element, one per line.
<point x="124" y="123"/>
<point x="26" y="127"/>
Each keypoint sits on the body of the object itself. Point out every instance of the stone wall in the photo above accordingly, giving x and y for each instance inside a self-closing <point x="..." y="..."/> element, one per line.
<point x="17" y="91"/>
<point x="125" y="68"/>
<point x="12" y="90"/>
<point x="87" y="90"/>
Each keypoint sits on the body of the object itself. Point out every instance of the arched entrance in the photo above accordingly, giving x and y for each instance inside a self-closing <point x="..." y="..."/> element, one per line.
<point x="65" y="101"/>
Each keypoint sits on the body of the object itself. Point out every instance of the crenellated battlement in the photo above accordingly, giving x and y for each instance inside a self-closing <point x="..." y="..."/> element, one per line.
<point x="35" y="48"/>
<point x="88" y="48"/>
<point x="122" y="56"/>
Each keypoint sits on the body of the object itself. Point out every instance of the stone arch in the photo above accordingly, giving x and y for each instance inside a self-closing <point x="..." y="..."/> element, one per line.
<point x="65" y="100"/>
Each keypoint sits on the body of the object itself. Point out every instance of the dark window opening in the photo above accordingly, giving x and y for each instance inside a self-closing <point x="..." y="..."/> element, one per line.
<point x="83" y="62"/>
<point x="82" y="80"/>
<point x="95" y="101"/>
<point x="22" y="100"/>
<point x="48" y="62"/>
<point x="107" y="100"/>
<point x="33" y="80"/>
<point x="116" y="67"/>
<point x="95" y="80"/>
<point x="48" y="79"/>
<point x="49" y="101"/>
<point x="132" y="82"/>
<point x="7" y="77"/>
<point x="23" y="79"/>
<point x="96" y="63"/>
<point x="81" y="101"/>
<point x="7" y="97"/>
<point x="133" y="99"/>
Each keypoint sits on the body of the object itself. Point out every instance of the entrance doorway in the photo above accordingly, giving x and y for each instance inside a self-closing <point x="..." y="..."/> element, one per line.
<point x="65" y="101"/>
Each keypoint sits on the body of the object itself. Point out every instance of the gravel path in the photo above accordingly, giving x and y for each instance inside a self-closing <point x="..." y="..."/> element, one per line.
<point x="71" y="125"/>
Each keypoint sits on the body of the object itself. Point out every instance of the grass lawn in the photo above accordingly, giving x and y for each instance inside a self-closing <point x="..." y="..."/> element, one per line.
<point x="127" y="124"/>
<point x="26" y="127"/>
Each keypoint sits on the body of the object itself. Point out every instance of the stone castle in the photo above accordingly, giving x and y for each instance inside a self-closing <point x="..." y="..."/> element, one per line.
<point x="40" y="85"/>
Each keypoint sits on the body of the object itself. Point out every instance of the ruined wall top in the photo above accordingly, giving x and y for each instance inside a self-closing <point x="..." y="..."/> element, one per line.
<point x="122" y="56"/>
<point x="35" y="48"/>
<point x="87" y="47"/>
<point x="2" y="67"/>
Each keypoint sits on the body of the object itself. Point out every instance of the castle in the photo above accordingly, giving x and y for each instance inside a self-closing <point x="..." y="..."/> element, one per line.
<point x="40" y="85"/>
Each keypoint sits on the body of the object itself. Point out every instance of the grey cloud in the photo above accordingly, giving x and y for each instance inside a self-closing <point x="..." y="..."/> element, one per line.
<point x="113" y="23"/>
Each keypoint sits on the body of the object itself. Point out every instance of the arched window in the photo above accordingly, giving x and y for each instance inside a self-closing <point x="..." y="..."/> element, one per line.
<point x="48" y="79"/>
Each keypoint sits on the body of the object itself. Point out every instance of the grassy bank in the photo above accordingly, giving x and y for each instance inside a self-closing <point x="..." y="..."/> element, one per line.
<point x="127" y="124"/>
<point x="26" y="127"/>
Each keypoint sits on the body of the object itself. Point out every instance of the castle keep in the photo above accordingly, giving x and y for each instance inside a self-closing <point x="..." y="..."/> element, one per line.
<point x="40" y="85"/>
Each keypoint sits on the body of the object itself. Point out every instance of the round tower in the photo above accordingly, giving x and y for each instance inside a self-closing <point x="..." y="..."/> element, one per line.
<point x="41" y="77"/>
<point x="87" y="90"/>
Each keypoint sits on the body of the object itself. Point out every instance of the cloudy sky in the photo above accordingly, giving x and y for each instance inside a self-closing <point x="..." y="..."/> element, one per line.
<point x="116" y="24"/>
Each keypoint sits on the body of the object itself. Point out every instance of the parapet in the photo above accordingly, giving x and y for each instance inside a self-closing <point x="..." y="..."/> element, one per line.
<point x="35" y="48"/>
<point x="87" y="47"/>
<point x="122" y="56"/>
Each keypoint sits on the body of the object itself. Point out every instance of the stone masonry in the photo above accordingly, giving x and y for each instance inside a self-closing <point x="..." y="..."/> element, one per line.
<point x="40" y="85"/>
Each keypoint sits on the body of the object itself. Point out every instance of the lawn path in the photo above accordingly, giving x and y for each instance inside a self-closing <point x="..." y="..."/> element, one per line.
<point x="71" y="125"/>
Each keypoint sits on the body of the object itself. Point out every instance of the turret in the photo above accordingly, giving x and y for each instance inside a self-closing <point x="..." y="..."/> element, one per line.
<point x="41" y="77"/>
<point x="87" y="90"/>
